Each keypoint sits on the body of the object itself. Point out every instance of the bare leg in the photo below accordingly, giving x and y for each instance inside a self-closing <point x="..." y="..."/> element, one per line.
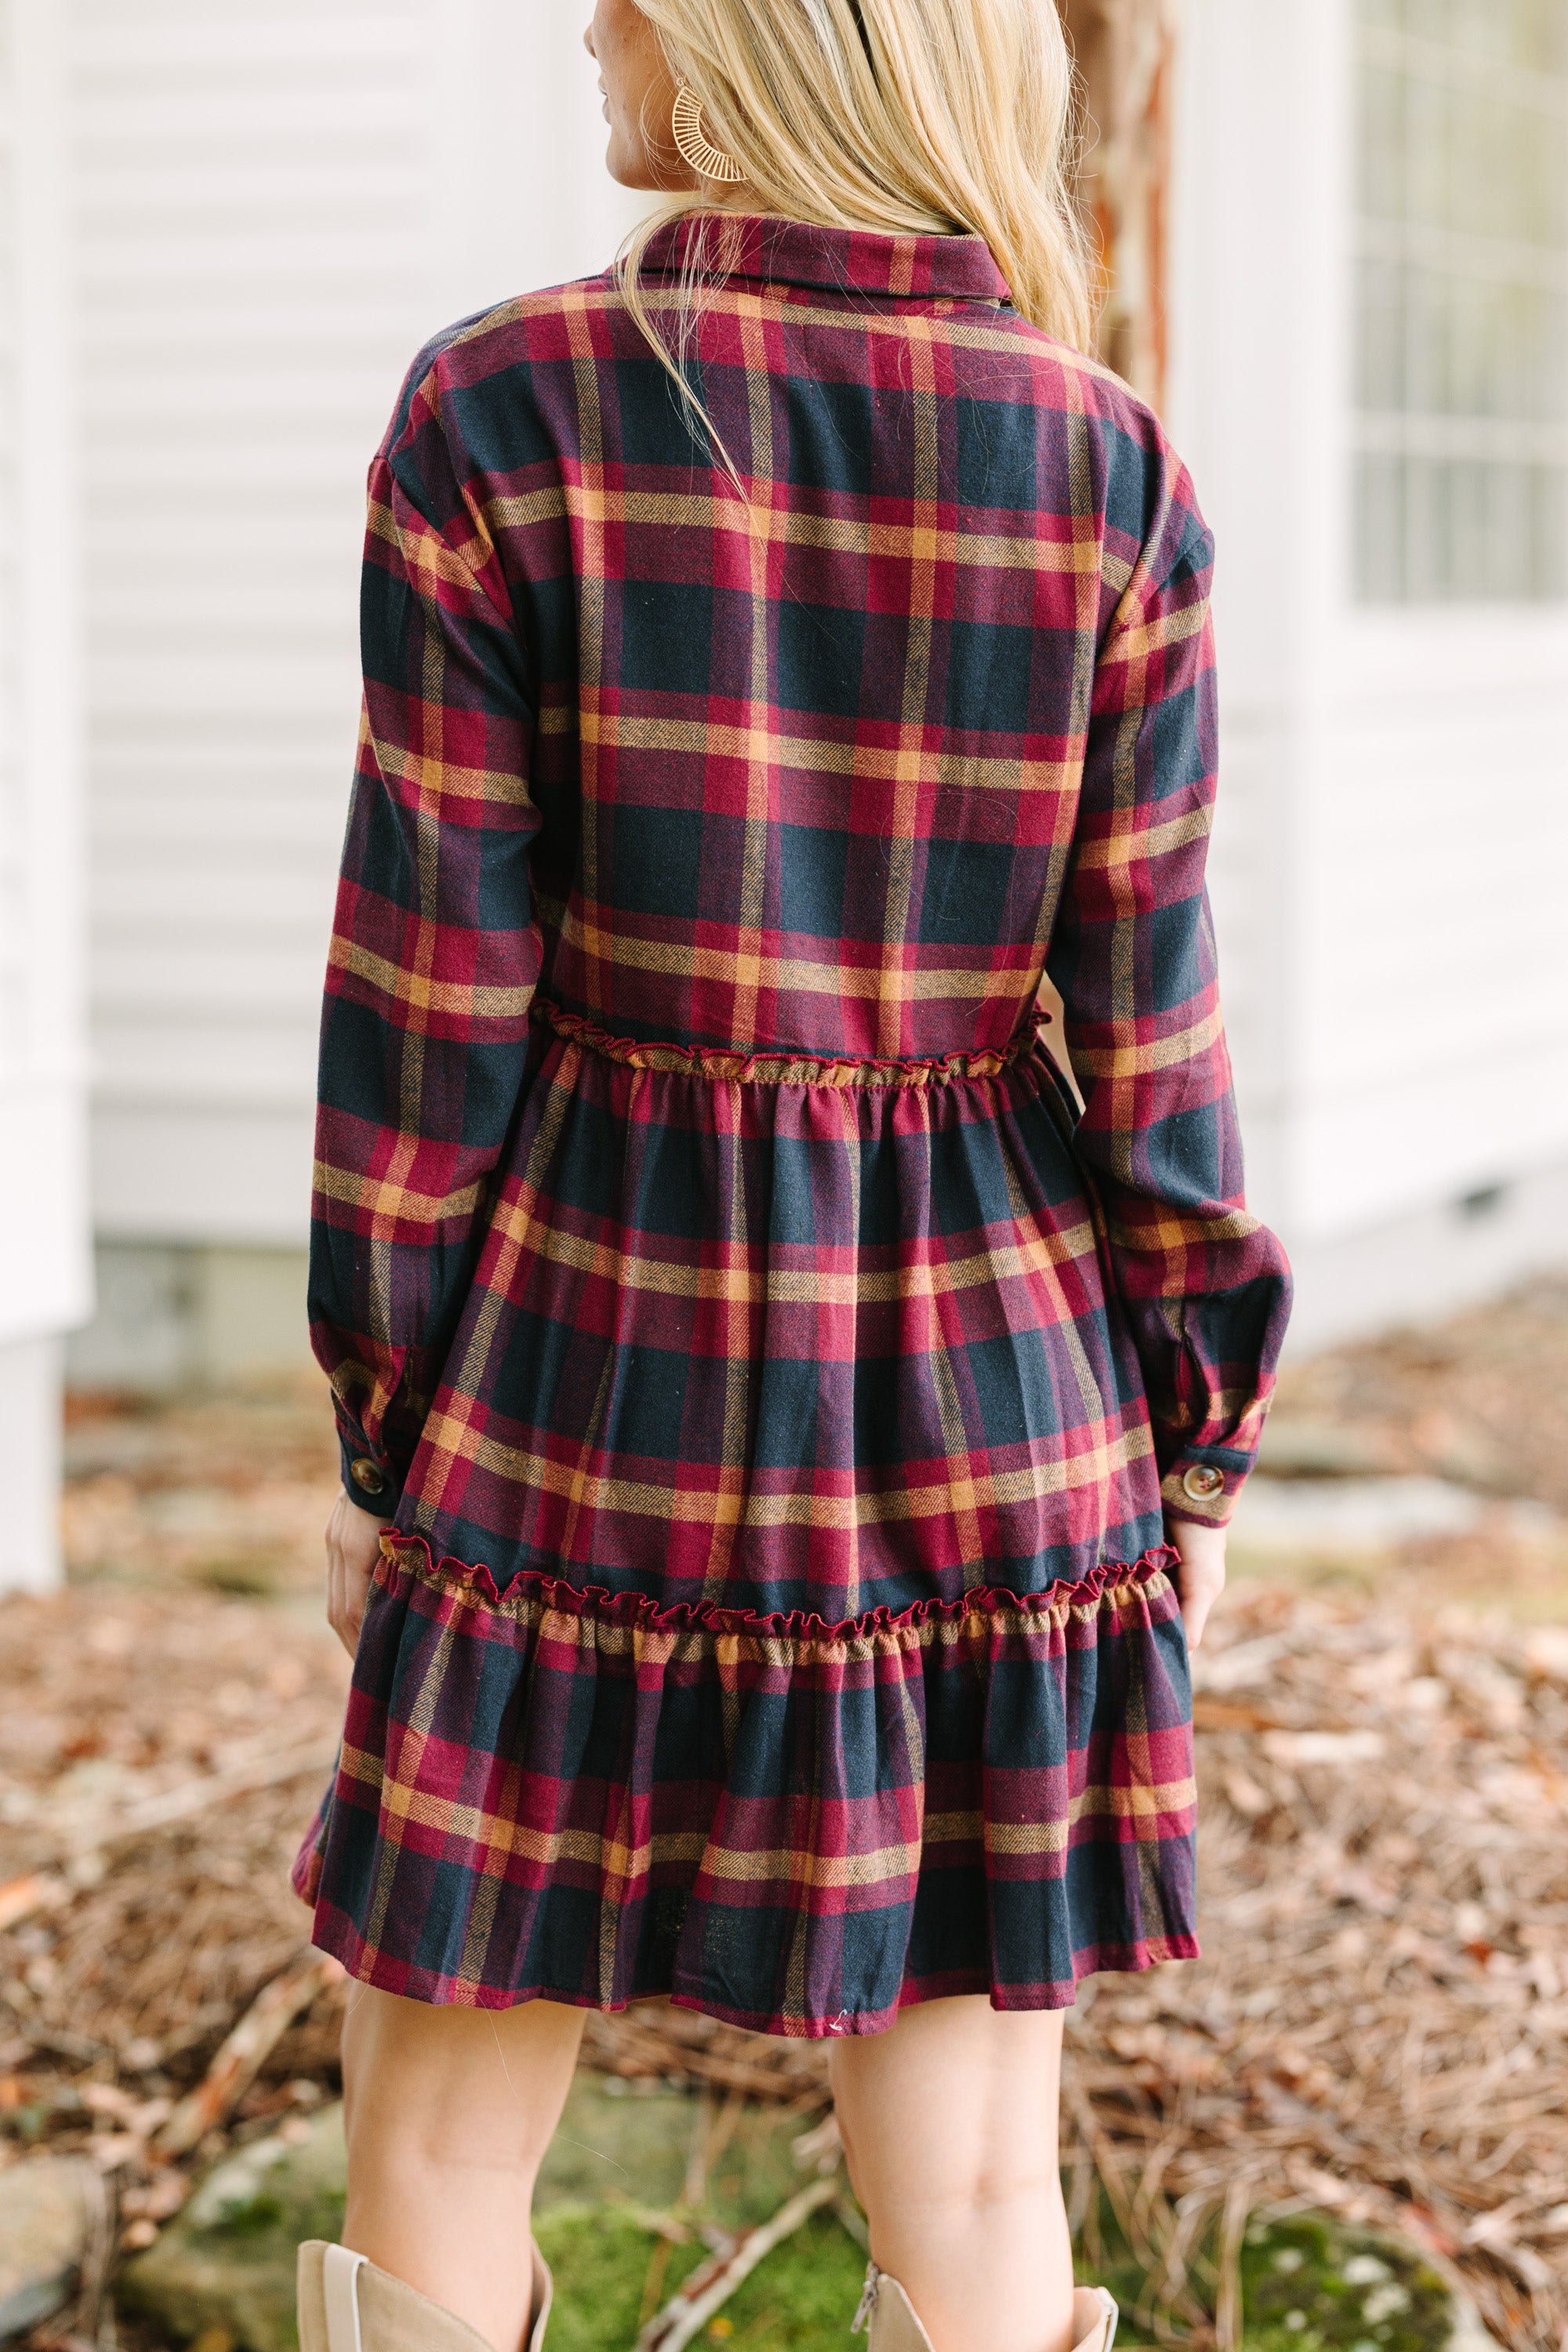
<point x="950" y="2127"/>
<point x="449" y="2113"/>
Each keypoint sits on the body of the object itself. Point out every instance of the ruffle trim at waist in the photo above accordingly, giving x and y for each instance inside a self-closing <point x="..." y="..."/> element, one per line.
<point x="755" y="1067"/>
<point x="412" y="1555"/>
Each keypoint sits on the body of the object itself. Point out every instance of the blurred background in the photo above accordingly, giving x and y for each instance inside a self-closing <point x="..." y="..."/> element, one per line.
<point x="1335" y="257"/>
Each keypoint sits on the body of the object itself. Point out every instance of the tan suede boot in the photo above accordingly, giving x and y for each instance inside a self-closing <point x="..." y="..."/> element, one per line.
<point x="893" y="2324"/>
<point x="346" y="2304"/>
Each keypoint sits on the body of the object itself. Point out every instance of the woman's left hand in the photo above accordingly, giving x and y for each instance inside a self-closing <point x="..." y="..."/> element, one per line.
<point x="1200" y="1579"/>
<point x="353" y="1547"/>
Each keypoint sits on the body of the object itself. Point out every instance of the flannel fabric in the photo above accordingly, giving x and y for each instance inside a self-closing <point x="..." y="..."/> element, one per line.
<point x="794" y="1827"/>
<point x="714" y="1268"/>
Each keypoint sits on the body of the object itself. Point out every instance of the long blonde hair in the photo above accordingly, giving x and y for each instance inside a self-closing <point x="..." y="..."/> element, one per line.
<point x="911" y="117"/>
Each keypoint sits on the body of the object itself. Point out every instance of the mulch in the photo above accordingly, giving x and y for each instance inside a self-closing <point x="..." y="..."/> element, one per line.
<point x="1380" y="2026"/>
<point x="1481" y="1399"/>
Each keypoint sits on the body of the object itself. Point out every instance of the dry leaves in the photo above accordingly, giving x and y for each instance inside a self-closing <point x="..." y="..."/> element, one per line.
<point x="1480" y="1401"/>
<point x="116" y="1705"/>
<point x="1381" y="2022"/>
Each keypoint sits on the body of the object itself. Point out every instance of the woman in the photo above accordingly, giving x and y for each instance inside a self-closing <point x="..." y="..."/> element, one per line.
<point x="787" y="1443"/>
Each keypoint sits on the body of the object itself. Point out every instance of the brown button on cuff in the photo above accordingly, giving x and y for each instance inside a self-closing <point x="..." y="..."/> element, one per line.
<point x="368" y="1475"/>
<point x="1203" y="1482"/>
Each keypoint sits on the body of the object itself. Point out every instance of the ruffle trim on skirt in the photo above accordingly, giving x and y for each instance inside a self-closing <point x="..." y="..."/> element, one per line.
<point x="798" y="1626"/>
<point x="794" y="1826"/>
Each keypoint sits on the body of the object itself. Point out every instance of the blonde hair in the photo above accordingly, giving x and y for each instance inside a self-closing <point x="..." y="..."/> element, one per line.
<point x="911" y="117"/>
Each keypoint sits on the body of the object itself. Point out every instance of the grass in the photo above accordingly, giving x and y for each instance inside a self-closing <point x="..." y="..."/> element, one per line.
<point x="1307" y="2287"/>
<point x="612" y="2275"/>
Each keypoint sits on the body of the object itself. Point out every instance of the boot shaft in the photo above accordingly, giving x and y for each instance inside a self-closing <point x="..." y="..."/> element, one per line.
<point x="347" y="2304"/>
<point x="893" y="2324"/>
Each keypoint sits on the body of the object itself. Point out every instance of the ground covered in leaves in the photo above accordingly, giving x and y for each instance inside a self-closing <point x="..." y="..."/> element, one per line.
<point x="1379" y="2031"/>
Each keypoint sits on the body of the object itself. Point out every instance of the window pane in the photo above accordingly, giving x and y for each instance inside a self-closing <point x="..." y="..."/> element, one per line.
<point x="1461" y="375"/>
<point x="1381" y="339"/>
<point x="1380" y="530"/>
<point x="1382" y="143"/>
<point x="1548" y="514"/>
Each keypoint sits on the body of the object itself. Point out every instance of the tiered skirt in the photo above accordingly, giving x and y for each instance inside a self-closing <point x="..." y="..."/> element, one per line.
<point x="776" y="1618"/>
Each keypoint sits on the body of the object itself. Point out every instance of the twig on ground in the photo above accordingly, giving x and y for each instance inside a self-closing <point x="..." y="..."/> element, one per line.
<point x="821" y="2144"/>
<point x="1107" y="2165"/>
<point x="239" y="2060"/>
<point x="1232" y="2230"/>
<point x="852" y="2220"/>
<point x="658" y="2224"/>
<point x="694" y="2195"/>
<point x="710" y="2286"/>
<point x="92" y="2318"/>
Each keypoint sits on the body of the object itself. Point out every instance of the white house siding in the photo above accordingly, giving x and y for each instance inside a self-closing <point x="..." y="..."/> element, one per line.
<point x="44" y="1274"/>
<point x="1393" y="822"/>
<point x="276" y="202"/>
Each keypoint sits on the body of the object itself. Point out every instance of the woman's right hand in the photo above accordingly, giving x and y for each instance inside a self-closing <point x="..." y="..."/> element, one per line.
<point x="353" y="1547"/>
<point x="1200" y="1579"/>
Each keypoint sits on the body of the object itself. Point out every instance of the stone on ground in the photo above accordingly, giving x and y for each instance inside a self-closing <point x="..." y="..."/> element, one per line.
<point x="227" y="2260"/>
<point x="46" y="2224"/>
<point x="623" y="2150"/>
<point x="643" y="2143"/>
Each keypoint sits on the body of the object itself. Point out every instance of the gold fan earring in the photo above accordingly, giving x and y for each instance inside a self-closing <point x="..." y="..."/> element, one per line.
<point x="709" y="162"/>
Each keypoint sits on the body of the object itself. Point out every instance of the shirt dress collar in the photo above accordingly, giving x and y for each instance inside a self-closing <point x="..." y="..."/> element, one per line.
<point x="842" y="261"/>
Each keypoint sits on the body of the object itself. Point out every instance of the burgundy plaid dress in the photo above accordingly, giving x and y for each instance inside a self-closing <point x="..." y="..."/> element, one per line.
<point x="778" y="1378"/>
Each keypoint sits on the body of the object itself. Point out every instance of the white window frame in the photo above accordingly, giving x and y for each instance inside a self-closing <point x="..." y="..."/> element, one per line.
<point x="1488" y="442"/>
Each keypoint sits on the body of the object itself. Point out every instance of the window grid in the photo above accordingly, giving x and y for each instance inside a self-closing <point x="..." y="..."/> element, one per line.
<point x="1461" y="487"/>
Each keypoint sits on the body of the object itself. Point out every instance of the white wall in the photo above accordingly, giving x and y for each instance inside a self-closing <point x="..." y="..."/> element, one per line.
<point x="1393" y="822"/>
<point x="44" y="1273"/>
<point x="276" y="201"/>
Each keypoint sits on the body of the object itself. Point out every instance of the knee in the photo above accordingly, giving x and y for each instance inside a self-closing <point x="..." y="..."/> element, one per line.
<point x="1022" y="2180"/>
<point x="430" y="2092"/>
<point x="957" y="2204"/>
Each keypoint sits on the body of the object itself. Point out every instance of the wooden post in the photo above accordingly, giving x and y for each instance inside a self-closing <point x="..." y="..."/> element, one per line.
<point x="1124" y="50"/>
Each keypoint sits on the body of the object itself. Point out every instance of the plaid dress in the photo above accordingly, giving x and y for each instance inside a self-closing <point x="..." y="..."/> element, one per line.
<point x="778" y="1371"/>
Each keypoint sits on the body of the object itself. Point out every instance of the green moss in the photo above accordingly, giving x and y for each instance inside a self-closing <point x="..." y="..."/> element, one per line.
<point x="292" y="2220"/>
<point x="612" y="2275"/>
<point x="802" y="2297"/>
<point x="255" y="2218"/>
<point x="601" y="2259"/>
<point x="1309" y="2286"/>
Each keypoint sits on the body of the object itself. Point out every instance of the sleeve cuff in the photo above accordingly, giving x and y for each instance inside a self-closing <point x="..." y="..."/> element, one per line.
<point x="1204" y="1484"/>
<point x="368" y="1480"/>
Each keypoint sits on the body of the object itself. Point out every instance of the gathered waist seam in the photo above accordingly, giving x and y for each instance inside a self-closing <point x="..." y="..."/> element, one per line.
<point x="1112" y="1582"/>
<point x="757" y="1066"/>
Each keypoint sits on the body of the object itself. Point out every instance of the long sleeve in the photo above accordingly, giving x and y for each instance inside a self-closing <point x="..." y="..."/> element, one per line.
<point x="434" y="952"/>
<point x="1206" y="1287"/>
